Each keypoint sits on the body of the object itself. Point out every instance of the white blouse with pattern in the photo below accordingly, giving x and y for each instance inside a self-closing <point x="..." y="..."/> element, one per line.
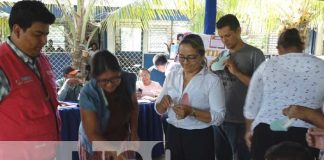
<point x="290" y="79"/>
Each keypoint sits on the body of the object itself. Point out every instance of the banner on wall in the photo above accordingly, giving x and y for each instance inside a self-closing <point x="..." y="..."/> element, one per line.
<point x="213" y="46"/>
<point x="212" y="43"/>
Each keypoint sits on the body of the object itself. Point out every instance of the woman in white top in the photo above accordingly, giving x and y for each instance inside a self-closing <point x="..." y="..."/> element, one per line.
<point x="293" y="78"/>
<point x="193" y="98"/>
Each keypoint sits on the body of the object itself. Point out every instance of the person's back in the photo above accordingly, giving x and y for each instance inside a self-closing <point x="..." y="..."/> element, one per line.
<point x="291" y="79"/>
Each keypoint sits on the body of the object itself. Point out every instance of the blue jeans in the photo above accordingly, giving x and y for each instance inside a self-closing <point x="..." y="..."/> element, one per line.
<point x="235" y="133"/>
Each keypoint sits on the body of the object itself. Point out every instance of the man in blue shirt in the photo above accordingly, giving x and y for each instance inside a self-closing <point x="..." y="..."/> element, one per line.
<point x="69" y="86"/>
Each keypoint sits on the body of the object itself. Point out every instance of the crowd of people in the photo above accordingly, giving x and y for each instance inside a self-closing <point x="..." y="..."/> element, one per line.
<point x="267" y="109"/>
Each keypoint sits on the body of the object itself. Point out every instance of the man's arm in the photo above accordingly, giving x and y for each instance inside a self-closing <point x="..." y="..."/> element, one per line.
<point x="314" y="116"/>
<point x="232" y="68"/>
<point x="59" y="83"/>
<point x="89" y="123"/>
<point x="68" y="86"/>
<point x="257" y="59"/>
<point x="248" y="132"/>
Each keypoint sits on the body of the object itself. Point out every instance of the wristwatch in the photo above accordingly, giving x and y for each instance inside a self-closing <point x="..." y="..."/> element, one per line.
<point x="193" y="113"/>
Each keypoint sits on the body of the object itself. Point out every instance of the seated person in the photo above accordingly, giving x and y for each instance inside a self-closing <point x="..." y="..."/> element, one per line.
<point x="69" y="86"/>
<point x="161" y="63"/>
<point x="149" y="89"/>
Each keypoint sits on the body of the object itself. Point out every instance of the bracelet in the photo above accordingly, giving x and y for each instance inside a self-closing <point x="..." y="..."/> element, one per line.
<point x="193" y="113"/>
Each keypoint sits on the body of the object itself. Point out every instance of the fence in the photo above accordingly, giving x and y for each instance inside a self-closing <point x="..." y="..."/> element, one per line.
<point x="129" y="61"/>
<point x="59" y="61"/>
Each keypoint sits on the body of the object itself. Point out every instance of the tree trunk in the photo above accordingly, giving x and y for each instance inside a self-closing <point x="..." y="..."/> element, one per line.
<point x="79" y="61"/>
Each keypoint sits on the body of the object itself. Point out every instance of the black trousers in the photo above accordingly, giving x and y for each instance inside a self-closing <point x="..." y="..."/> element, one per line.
<point x="164" y="123"/>
<point x="190" y="144"/>
<point x="263" y="138"/>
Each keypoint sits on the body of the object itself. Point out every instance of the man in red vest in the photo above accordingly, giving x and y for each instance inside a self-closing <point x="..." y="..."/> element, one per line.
<point x="28" y="98"/>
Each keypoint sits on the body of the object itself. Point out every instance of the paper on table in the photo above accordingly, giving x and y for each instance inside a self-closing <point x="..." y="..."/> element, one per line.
<point x="143" y="101"/>
<point x="67" y="104"/>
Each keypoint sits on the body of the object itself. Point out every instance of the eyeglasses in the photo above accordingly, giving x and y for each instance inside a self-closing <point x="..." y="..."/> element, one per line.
<point x="103" y="82"/>
<point x="190" y="58"/>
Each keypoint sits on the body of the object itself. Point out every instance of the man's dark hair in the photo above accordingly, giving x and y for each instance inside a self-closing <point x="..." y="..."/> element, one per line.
<point x="160" y="59"/>
<point x="288" y="151"/>
<point x="228" y="20"/>
<point x="291" y="38"/>
<point x="69" y="69"/>
<point x="24" y="13"/>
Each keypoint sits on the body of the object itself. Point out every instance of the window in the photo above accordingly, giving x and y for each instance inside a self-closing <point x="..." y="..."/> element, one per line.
<point x="157" y="40"/>
<point x="131" y="39"/>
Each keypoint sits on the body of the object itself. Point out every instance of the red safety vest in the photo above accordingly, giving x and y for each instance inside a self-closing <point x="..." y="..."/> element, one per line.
<point x="29" y="111"/>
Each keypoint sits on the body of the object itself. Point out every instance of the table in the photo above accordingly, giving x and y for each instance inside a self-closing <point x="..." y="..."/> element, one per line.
<point x="70" y="117"/>
<point x="149" y="125"/>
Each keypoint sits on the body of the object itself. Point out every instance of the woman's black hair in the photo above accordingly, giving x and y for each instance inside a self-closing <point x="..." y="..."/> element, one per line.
<point x="291" y="38"/>
<point x="103" y="61"/>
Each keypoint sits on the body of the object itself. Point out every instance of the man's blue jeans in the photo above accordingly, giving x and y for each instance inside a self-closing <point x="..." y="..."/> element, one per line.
<point x="235" y="133"/>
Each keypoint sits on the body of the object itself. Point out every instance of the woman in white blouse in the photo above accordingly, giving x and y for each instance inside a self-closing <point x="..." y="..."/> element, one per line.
<point x="193" y="98"/>
<point x="293" y="78"/>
